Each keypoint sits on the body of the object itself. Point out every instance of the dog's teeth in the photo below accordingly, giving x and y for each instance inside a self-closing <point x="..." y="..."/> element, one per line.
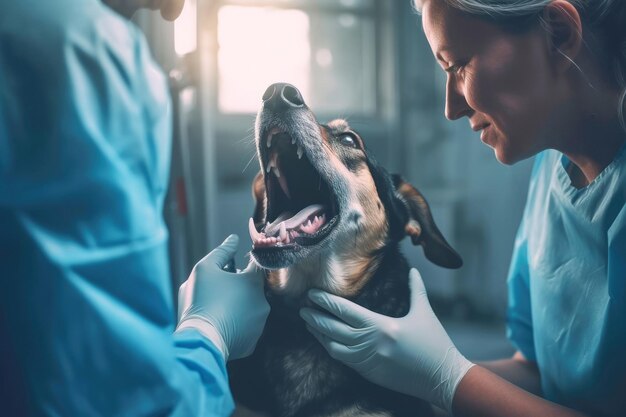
<point x="276" y="172"/>
<point x="283" y="232"/>
<point x="300" y="152"/>
<point x="269" y="141"/>
<point x="293" y="141"/>
<point x="256" y="236"/>
<point x="272" y="163"/>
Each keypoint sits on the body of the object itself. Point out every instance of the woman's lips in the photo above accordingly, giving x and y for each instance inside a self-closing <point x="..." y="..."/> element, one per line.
<point x="483" y="133"/>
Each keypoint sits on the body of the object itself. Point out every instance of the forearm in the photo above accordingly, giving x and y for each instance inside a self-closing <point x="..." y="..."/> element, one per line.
<point x="518" y="371"/>
<point x="485" y="394"/>
<point x="203" y="381"/>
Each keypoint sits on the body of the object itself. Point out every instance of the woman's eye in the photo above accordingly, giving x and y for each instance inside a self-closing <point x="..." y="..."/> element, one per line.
<point x="348" y="140"/>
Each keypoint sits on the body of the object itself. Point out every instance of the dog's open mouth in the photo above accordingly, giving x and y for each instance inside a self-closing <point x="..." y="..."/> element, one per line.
<point x="301" y="209"/>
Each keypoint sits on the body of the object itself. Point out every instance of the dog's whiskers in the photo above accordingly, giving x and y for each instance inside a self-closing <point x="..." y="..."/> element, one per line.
<point x="247" y="139"/>
<point x="249" y="162"/>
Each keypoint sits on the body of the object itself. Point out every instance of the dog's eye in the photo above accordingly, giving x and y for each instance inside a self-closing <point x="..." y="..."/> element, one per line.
<point x="348" y="139"/>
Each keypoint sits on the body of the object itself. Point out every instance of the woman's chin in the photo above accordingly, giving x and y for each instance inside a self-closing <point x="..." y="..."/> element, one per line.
<point x="505" y="158"/>
<point x="511" y="157"/>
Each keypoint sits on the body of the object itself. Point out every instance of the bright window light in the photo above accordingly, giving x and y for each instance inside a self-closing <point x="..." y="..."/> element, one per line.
<point x="185" y="29"/>
<point x="259" y="46"/>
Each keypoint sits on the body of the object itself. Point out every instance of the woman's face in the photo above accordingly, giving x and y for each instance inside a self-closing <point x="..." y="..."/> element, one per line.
<point x="501" y="82"/>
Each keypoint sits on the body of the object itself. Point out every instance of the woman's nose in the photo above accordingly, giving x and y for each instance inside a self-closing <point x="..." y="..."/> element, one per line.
<point x="456" y="104"/>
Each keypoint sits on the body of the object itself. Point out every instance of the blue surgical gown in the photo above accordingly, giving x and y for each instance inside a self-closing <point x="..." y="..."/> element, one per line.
<point x="86" y="310"/>
<point x="567" y="285"/>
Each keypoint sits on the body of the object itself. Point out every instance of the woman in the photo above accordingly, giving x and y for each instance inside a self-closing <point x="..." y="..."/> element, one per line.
<point x="543" y="78"/>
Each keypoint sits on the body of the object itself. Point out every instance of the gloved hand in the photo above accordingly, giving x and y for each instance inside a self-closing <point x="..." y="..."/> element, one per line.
<point x="412" y="354"/>
<point x="228" y="308"/>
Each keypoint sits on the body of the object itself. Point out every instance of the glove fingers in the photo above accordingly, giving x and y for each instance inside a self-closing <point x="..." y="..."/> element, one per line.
<point x="250" y="267"/>
<point x="335" y="349"/>
<point x="221" y="255"/>
<point x="352" y="313"/>
<point x="329" y="326"/>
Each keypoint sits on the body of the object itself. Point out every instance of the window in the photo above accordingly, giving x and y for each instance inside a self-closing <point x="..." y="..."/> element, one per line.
<point x="326" y="48"/>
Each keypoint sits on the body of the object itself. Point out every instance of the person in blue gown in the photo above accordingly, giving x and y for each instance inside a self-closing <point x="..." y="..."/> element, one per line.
<point x="543" y="79"/>
<point x="87" y="321"/>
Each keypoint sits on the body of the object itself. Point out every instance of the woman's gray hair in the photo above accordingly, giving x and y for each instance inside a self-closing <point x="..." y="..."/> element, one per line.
<point x="605" y="18"/>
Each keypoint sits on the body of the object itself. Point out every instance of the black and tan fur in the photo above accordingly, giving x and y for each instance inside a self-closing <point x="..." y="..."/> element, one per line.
<point x="357" y="257"/>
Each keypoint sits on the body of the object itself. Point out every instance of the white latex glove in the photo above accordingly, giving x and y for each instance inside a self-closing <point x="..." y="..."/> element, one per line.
<point x="228" y="308"/>
<point x="412" y="354"/>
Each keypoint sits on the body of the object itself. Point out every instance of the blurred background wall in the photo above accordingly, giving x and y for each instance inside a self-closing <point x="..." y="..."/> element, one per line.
<point x="364" y="60"/>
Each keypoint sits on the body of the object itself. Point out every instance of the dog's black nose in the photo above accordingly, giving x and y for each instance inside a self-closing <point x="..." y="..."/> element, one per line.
<point x="281" y="96"/>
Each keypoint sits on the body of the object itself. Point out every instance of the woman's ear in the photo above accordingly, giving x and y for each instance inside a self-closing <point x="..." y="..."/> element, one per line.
<point x="564" y="33"/>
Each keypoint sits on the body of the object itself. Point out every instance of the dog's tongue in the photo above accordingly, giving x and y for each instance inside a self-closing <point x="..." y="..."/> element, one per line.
<point x="308" y="220"/>
<point x="294" y="221"/>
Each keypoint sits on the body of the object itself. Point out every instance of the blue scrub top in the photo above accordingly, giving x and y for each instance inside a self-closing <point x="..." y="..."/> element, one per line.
<point x="86" y="312"/>
<point x="567" y="285"/>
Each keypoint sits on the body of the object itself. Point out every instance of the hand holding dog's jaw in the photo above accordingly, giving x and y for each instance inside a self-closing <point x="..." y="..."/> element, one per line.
<point x="228" y="308"/>
<point x="411" y="354"/>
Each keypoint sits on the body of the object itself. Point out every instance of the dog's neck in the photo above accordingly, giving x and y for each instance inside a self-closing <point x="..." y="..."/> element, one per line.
<point x="370" y="284"/>
<point x="341" y="274"/>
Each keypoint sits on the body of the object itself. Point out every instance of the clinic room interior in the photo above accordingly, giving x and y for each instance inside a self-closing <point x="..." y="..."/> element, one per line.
<point x="360" y="60"/>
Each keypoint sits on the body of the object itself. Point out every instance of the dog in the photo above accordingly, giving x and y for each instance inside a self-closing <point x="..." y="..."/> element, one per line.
<point x="327" y="216"/>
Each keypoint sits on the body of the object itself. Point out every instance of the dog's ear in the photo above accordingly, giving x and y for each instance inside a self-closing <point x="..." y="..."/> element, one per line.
<point x="421" y="227"/>
<point x="259" y="194"/>
<point x="409" y="214"/>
